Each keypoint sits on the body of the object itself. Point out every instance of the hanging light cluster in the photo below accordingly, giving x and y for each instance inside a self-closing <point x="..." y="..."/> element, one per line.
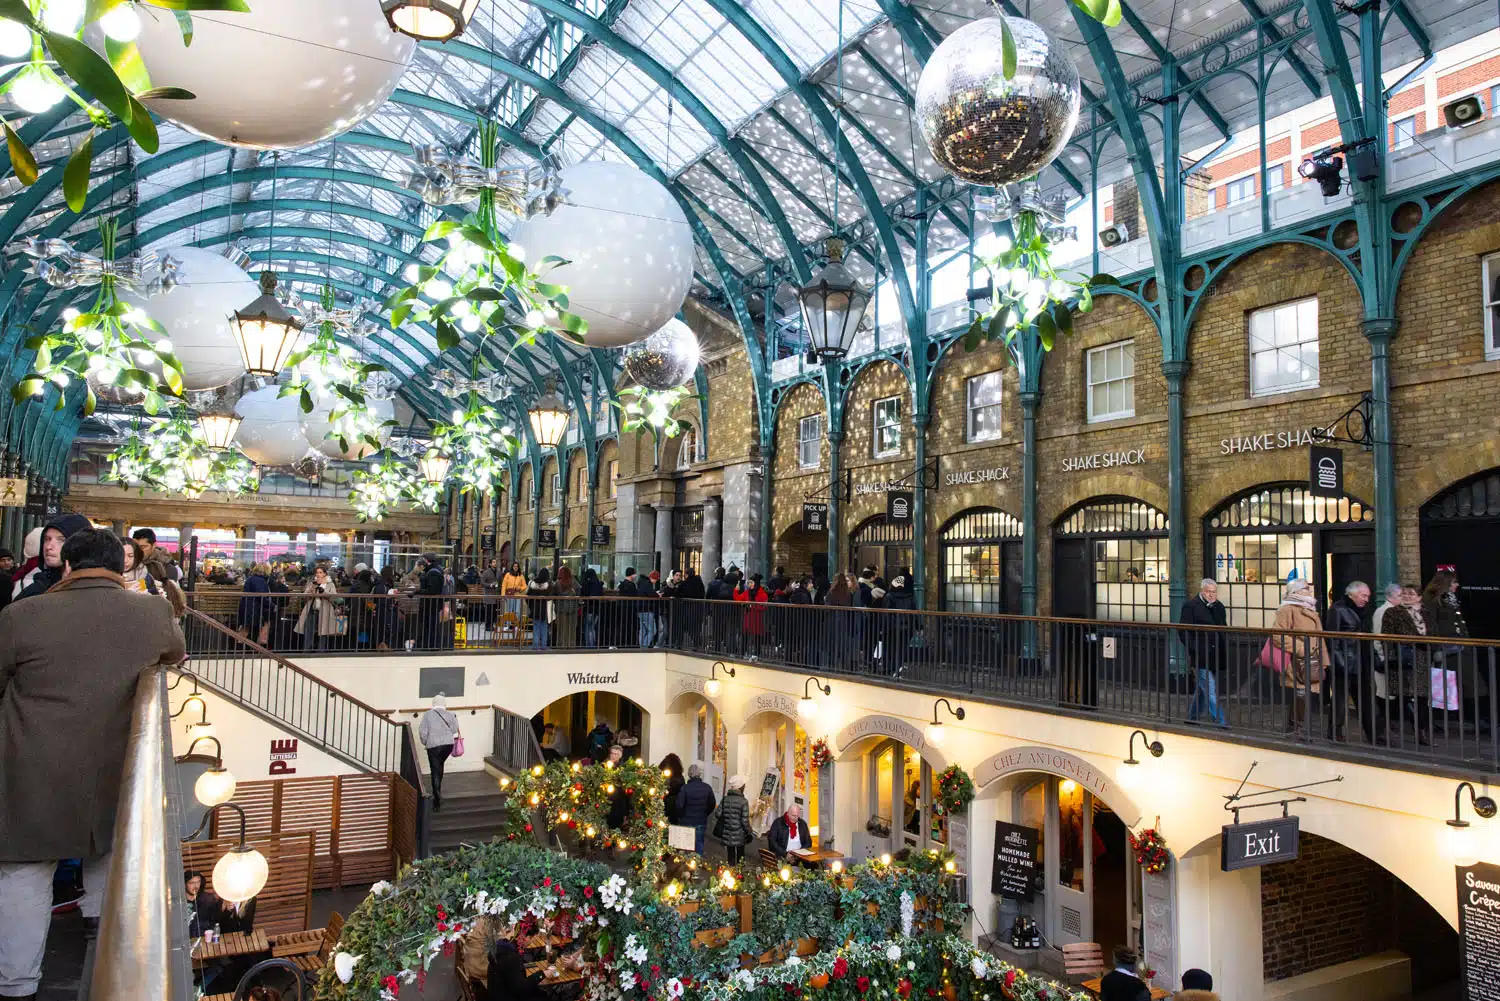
<point x="473" y="450"/>
<point x="174" y="456"/>
<point x="386" y="482"/>
<point x="525" y="191"/>
<point x="327" y="371"/>
<point x="430" y="20"/>
<point x="116" y="348"/>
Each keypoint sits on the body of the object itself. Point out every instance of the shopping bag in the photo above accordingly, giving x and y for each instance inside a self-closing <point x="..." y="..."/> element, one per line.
<point x="458" y="746"/>
<point x="1444" y="689"/>
<point x="1273" y="657"/>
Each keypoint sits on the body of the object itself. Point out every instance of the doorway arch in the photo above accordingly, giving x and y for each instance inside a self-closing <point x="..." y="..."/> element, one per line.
<point x="695" y="725"/>
<point x="774" y="753"/>
<point x="1460" y="527"/>
<point x="1110" y="561"/>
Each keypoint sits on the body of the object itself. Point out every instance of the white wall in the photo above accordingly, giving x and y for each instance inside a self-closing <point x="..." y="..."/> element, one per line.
<point x="247" y="741"/>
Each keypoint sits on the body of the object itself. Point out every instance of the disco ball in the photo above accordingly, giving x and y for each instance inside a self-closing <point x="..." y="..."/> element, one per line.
<point x="983" y="128"/>
<point x="286" y="74"/>
<point x="628" y="245"/>
<point x="120" y="396"/>
<point x="311" y="466"/>
<point x="666" y="359"/>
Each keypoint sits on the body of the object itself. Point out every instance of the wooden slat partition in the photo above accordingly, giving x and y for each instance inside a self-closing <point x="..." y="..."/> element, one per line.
<point x="286" y="902"/>
<point x="362" y="826"/>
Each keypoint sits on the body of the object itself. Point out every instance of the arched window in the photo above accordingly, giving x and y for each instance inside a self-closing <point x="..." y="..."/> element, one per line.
<point x="981" y="562"/>
<point x="687" y="448"/>
<point x="882" y="544"/>
<point x="1460" y="528"/>
<point x="1258" y="540"/>
<point x="1110" y="561"/>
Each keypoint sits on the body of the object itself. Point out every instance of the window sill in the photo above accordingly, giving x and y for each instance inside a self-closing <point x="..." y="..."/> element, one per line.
<point x="1266" y="394"/>
<point x="1109" y="418"/>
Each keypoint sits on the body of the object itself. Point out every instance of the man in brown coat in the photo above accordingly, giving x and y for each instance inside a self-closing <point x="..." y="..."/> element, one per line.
<point x="69" y="660"/>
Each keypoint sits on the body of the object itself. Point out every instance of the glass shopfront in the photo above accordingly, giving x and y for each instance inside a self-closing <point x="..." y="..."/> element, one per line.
<point x="981" y="562"/>
<point x="1110" y="561"/>
<point x="885" y="545"/>
<point x="687" y="539"/>
<point x="1262" y="538"/>
<point x="899" y="785"/>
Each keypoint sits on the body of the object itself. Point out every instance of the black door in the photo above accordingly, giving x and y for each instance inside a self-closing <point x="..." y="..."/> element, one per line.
<point x="820" y="566"/>
<point x="1073" y="644"/>
<point x="1472" y="547"/>
<point x="1351" y="557"/>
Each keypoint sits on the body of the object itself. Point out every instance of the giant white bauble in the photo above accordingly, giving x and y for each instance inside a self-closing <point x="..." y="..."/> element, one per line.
<point x="315" y="427"/>
<point x="289" y="73"/>
<point x="196" y="315"/>
<point x="271" y="432"/>
<point x="629" y="248"/>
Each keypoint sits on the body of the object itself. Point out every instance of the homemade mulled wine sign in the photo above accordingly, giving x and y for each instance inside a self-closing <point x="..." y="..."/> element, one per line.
<point x="1015" y="866"/>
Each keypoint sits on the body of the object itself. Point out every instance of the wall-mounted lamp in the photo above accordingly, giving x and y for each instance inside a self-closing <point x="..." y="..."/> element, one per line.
<point x="216" y="785"/>
<point x="807" y="707"/>
<point x="201" y="730"/>
<point x="713" y="687"/>
<point x="1463" y="839"/>
<point x="935" y="728"/>
<point x="242" y="871"/>
<point x="1130" y="774"/>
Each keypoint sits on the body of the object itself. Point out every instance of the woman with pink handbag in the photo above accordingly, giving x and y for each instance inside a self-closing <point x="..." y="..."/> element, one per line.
<point x="438" y="731"/>
<point x="1302" y="661"/>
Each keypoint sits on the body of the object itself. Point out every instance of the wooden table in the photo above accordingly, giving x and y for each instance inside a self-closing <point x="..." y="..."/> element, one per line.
<point x="1093" y="987"/>
<point x="816" y="857"/>
<point x="563" y="976"/>
<point x="235" y="943"/>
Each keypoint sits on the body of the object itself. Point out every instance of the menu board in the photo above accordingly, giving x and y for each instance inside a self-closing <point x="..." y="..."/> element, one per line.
<point x="1479" y="930"/>
<point x="1014" y="872"/>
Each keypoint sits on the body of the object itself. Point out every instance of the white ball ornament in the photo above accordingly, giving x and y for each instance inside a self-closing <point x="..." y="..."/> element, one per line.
<point x="196" y="313"/>
<point x="287" y="74"/>
<point x="629" y="248"/>
<point x="315" y="427"/>
<point x="271" y="432"/>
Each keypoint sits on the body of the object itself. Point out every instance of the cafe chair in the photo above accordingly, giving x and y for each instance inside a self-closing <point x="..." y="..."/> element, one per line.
<point x="1083" y="961"/>
<point x="768" y="859"/>
<point x="310" y="949"/>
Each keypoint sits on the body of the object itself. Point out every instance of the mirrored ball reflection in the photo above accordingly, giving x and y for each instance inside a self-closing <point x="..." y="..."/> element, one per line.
<point x="983" y="128"/>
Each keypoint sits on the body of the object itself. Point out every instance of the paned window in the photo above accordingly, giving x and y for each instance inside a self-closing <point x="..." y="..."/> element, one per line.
<point x="1403" y="132"/>
<point x="809" y="441"/>
<point x="1111" y="382"/>
<point x="614" y="477"/>
<point x="1492" y="307"/>
<point x="1241" y="190"/>
<point x="887" y="420"/>
<point x="687" y="449"/>
<point x="982" y="407"/>
<point x="1275" y="177"/>
<point x="1284" y="347"/>
<point x="556" y="497"/>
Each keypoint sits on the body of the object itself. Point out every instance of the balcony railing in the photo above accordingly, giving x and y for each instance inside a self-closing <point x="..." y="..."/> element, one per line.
<point x="1396" y="697"/>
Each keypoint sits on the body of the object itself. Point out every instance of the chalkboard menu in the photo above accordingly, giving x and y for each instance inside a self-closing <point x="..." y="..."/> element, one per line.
<point x="1479" y="930"/>
<point x="1014" y="872"/>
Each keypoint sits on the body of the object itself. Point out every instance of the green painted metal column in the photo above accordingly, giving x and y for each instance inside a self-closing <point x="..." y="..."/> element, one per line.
<point x="1379" y="331"/>
<point x="767" y="483"/>
<point x="835" y="501"/>
<point x="1031" y="399"/>
<point x="1177" y="518"/>
<point x="921" y="415"/>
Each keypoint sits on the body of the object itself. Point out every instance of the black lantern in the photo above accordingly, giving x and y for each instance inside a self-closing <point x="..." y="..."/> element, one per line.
<point x="833" y="304"/>
<point x="549" y="419"/>
<point x="430" y="20"/>
<point x="267" y="333"/>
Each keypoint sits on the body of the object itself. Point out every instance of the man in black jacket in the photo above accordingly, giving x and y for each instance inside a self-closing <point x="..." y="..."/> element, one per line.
<point x="1352" y="660"/>
<point x="1205" y="648"/>
<point x="695" y="801"/>
<point x="1121" y="983"/>
<point x="435" y="632"/>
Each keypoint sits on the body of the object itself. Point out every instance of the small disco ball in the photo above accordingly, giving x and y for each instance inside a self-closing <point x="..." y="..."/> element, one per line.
<point x="120" y="396"/>
<point x="666" y="359"/>
<point x="983" y="128"/>
<point x="311" y="466"/>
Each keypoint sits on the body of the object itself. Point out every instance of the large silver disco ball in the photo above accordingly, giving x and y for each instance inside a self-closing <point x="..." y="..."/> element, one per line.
<point x="984" y="128"/>
<point x="666" y="359"/>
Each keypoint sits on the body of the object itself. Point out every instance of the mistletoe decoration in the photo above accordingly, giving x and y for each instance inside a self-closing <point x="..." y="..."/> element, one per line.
<point x="651" y="410"/>
<point x="114" y="344"/>
<point x="1150" y="849"/>
<point x="955" y="791"/>
<point x="171" y="456"/>
<point x="1027" y="291"/>
<point x="60" y="65"/>
<point x="478" y="445"/>
<point x="478" y="285"/>
<point x="386" y="482"/>
<point x="327" y="370"/>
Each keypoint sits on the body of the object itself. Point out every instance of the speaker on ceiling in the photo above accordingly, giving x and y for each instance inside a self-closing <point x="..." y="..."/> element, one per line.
<point x="1115" y="235"/>
<point x="1464" y="112"/>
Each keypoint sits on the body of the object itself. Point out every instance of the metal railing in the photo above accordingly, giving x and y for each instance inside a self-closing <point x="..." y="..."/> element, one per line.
<point x="515" y="747"/>
<point x="1431" y="699"/>
<point x="251" y="675"/>
<point x="142" y="949"/>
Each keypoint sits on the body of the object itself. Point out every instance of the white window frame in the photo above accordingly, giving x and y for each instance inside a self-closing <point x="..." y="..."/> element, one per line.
<point x="687" y="451"/>
<point x="815" y="421"/>
<point x="1245" y="186"/>
<point x="876" y="426"/>
<point x="1293" y="306"/>
<point x="556" y="498"/>
<point x="970" y="384"/>
<point x="1400" y="141"/>
<point x="1494" y="100"/>
<point x="614" y="478"/>
<point x="1278" y="171"/>
<point x="583" y="481"/>
<point x="530" y="499"/>
<point x="1089" y="382"/>
<point x="1490" y="276"/>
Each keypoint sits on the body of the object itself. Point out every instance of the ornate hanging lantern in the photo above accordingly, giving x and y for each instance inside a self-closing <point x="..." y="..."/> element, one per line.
<point x="430" y="20"/>
<point x="434" y="466"/>
<point x="833" y="304"/>
<point x="549" y="420"/>
<point x="266" y="333"/>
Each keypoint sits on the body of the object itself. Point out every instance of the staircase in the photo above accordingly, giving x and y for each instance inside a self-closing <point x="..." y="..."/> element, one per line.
<point x="473" y="811"/>
<point x="281" y="693"/>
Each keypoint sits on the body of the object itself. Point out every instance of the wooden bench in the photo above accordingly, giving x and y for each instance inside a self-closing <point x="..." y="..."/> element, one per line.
<point x="1083" y="960"/>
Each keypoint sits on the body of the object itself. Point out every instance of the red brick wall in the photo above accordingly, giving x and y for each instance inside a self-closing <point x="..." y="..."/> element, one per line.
<point x="1321" y="134"/>
<point x="1330" y="906"/>
<point x="1467" y="78"/>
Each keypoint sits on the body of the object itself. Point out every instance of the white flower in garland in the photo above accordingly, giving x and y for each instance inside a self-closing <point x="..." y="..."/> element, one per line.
<point x="893" y="953"/>
<point x="793" y="961"/>
<point x="911" y="964"/>
<point x="634" y="951"/>
<point x="979" y="968"/>
<point x="745" y="979"/>
<point x="908" y="913"/>
<point x="343" y="966"/>
<point x="627" y="979"/>
<point x="674" y="988"/>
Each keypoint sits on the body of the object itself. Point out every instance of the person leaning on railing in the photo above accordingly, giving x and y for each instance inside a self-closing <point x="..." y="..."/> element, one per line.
<point x="69" y="663"/>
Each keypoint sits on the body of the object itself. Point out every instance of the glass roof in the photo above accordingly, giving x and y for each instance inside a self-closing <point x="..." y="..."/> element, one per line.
<point x="341" y="213"/>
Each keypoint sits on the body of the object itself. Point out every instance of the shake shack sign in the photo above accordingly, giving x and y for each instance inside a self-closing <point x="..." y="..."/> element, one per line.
<point x="1271" y="441"/>
<point x="1244" y="846"/>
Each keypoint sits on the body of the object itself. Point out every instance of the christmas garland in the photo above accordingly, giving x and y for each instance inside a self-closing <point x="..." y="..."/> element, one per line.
<point x="637" y="941"/>
<point x="1150" y="849"/>
<point x="955" y="791"/>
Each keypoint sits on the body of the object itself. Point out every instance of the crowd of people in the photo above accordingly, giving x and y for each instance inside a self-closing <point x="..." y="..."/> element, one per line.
<point x="1382" y="691"/>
